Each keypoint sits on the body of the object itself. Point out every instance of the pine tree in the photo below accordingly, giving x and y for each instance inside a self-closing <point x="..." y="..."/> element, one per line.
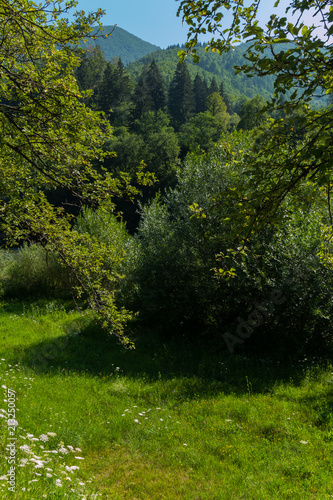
<point x="181" y="103"/>
<point x="225" y="97"/>
<point x="141" y="98"/>
<point x="200" y="92"/>
<point x="114" y="91"/>
<point x="156" y="87"/>
<point x="213" y="87"/>
<point x="91" y="69"/>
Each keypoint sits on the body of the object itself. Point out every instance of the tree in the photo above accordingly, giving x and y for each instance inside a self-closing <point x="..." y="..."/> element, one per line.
<point x="91" y="68"/>
<point x="156" y="87"/>
<point x="49" y="138"/>
<point x="216" y="105"/>
<point x="181" y="102"/>
<point x="213" y="87"/>
<point x="113" y="93"/>
<point x="150" y="91"/>
<point x="225" y="97"/>
<point x="141" y="98"/>
<point x="251" y="114"/>
<point x="201" y="131"/>
<point x="200" y="92"/>
<point x="302" y="68"/>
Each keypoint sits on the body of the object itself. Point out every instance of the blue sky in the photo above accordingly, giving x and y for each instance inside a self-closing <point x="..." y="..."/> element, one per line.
<point x="155" y="21"/>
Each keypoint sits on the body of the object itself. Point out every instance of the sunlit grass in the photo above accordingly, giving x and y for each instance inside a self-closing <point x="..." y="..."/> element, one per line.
<point x="165" y="421"/>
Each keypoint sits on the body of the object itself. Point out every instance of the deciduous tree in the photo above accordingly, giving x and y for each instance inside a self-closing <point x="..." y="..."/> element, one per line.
<point x="49" y="138"/>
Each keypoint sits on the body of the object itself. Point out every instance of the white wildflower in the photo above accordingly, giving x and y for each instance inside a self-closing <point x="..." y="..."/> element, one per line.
<point x="71" y="468"/>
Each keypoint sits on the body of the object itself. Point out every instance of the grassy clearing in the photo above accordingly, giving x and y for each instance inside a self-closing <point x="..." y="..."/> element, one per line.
<point x="165" y="421"/>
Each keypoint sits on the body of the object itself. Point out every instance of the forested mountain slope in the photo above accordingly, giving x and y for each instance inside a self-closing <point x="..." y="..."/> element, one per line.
<point x="211" y="65"/>
<point x="122" y="44"/>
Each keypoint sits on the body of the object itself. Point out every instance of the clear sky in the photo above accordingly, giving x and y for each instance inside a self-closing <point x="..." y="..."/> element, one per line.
<point x="155" y="21"/>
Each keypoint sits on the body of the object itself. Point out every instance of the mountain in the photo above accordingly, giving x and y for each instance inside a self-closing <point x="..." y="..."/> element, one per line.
<point x="121" y="44"/>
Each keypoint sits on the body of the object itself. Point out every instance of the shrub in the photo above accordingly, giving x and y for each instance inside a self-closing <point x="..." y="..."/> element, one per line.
<point x="177" y="247"/>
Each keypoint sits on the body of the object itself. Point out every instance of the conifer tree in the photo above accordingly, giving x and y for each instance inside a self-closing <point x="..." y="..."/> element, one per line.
<point x="156" y="87"/>
<point x="91" y="69"/>
<point x="225" y="97"/>
<point x="200" y="92"/>
<point x="181" y="103"/>
<point x="113" y="92"/>
<point x="105" y="95"/>
<point x="213" y="87"/>
<point x="141" y="98"/>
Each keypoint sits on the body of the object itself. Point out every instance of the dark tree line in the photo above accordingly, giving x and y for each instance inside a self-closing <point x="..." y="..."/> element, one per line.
<point x="114" y="90"/>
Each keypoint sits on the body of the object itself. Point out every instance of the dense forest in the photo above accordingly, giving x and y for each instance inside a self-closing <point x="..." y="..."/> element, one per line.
<point x="161" y="124"/>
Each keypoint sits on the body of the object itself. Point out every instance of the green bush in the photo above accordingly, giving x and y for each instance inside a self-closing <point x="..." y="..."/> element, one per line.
<point x="176" y="250"/>
<point x="176" y="287"/>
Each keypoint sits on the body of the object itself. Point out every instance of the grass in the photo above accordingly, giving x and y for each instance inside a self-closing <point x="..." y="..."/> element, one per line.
<point x="168" y="420"/>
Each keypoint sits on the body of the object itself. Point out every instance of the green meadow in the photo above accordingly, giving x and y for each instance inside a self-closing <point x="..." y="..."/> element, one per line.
<point x="164" y="421"/>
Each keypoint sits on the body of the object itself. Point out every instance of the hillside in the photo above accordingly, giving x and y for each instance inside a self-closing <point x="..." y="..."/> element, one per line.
<point x="210" y="65"/>
<point x="122" y="44"/>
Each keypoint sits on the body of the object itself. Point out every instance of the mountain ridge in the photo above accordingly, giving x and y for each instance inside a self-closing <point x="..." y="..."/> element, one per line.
<point x="121" y="44"/>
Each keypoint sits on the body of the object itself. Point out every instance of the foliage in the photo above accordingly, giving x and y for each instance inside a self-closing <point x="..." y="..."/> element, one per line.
<point x="181" y="236"/>
<point x="153" y="141"/>
<point x="202" y="131"/>
<point x="49" y="139"/>
<point x="177" y="251"/>
<point x="252" y="115"/>
<point x="301" y="64"/>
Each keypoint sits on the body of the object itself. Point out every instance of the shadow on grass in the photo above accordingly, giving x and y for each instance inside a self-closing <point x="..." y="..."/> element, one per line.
<point x="201" y="366"/>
